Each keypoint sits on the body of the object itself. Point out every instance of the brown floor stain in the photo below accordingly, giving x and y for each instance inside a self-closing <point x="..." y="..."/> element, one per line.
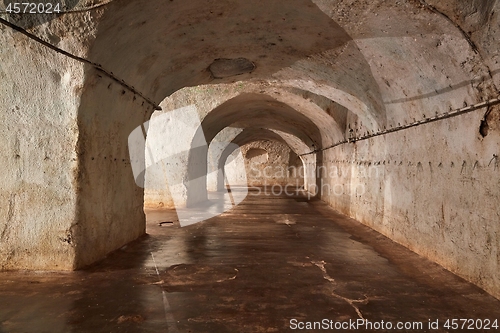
<point x="244" y="271"/>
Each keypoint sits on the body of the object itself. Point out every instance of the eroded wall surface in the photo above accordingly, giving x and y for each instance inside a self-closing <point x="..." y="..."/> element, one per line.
<point x="168" y="145"/>
<point x="110" y="201"/>
<point x="327" y="70"/>
<point x="433" y="188"/>
<point x="68" y="193"/>
<point x="38" y="135"/>
<point x="268" y="163"/>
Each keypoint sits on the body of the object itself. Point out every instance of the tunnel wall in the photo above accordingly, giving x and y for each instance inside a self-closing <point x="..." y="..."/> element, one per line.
<point x="271" y="166"/>
<point x="281" y="167"/>
<point x="157" y="191"/>
<point x="432" y="188"/>
<point x="38" y="132"/>
<point x="110" y="202"/>
<point x="169" y="137"/>
<point x="68" y="194"/>
<point x="216" y="149"/>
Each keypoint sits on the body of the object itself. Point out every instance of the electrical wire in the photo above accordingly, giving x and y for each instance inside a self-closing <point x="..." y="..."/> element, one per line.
<point x="80" y="59"/>
<point x="446" y="115"/>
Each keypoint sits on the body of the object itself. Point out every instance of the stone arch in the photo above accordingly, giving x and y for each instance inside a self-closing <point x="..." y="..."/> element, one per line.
<point x="249" y="135"/>
<point x="245" y="110"/>
<point x="157" y="48"/>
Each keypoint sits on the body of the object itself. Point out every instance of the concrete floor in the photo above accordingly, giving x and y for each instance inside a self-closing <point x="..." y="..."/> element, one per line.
<point x="253" y="269"/>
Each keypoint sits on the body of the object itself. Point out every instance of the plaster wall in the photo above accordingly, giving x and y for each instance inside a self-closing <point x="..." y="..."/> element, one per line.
<point x="110" y="202"/>
<point x="432" y="188"/>
<point x="39" y="135"/>
<point x="68" y="195"/>
<point x="168" y="145"/>
<point x="268" y="163"/>
<point x="157" y="191"/>
<point x="215" y="152"/>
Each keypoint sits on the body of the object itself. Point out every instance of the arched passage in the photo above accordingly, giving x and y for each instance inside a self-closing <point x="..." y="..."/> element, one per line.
<point x="249" y="135"/>
<point x="421" y="60"/>
<point x="245" y="110"/>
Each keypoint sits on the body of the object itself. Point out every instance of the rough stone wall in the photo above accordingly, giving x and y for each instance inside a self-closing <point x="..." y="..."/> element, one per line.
<point x="385" y="63"/>
<point x="68" y="194"/>
<point x="433" y="188"/>
<point x="167" y="177"/>
<point x="38" y="132"/>
<point x="216" y="150"/>
<point x="479" y="20"/>
<point x="110" y="203"/>
<point x="269" y="163"/>
<point x="277" y="165"/>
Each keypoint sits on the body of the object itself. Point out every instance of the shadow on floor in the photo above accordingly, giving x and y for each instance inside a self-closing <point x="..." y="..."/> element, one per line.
<point x="264" y="266"/>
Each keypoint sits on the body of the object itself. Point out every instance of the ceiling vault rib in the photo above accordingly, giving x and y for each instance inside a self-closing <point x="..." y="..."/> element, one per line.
<point x="82" y="60"/>
<point x="443" y="116"/>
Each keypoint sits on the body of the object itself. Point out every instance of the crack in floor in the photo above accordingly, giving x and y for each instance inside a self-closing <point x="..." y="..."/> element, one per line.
<point x="231" y="278"/>
<point x="321" y="265"/>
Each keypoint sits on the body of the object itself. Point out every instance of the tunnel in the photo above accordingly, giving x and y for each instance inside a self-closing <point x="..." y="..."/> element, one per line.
<point x="213" y="166"/>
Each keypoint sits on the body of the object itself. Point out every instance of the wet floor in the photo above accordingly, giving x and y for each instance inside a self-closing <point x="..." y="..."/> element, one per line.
<point x="272" y="264"/>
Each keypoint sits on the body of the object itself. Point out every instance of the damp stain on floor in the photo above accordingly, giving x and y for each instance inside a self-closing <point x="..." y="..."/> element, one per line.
<point x="268" y="263"/>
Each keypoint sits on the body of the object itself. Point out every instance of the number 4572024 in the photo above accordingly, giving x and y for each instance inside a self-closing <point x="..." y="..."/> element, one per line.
<point x="471" y="324"/>
<point x="32" y="8"/>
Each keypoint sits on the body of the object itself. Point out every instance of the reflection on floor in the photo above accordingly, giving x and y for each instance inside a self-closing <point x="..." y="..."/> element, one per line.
<point x="265" y="266"/>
